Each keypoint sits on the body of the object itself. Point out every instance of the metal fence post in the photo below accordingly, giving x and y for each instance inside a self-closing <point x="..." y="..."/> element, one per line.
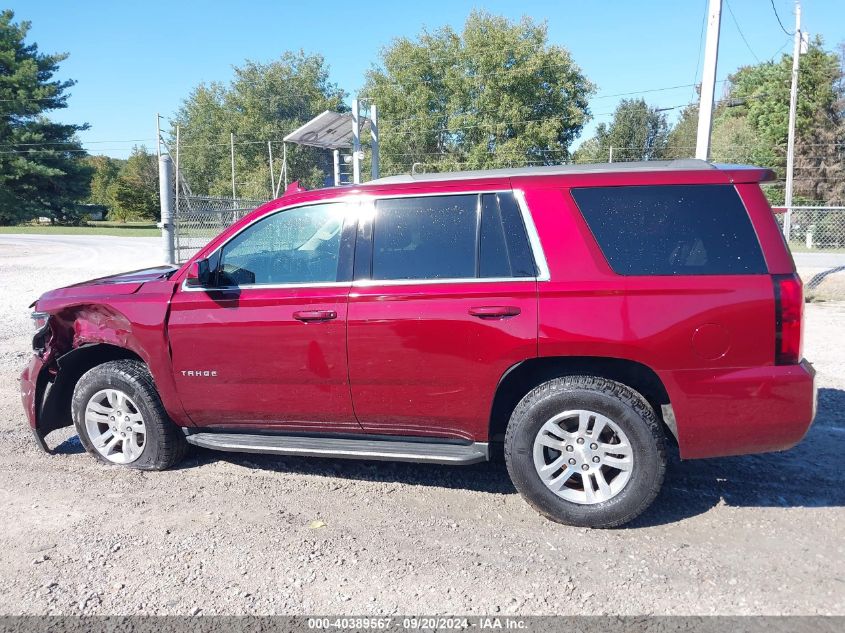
<point x="336" y="163"/>
<point x="356" y="143"/>
<point x="165" y="190"/>
<point x="374" y="154"/>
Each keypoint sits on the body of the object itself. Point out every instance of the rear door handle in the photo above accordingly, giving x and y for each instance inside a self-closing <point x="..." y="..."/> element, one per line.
<point x="494" y="312"/>
<point x="314" y="315"/>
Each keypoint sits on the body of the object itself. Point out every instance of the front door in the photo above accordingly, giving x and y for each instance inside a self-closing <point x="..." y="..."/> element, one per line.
<point x="266" y="346"/>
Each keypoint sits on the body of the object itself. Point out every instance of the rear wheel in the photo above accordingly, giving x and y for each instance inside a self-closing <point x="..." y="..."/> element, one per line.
<point x="586" y="451"/>
<point x="120" y="418"/>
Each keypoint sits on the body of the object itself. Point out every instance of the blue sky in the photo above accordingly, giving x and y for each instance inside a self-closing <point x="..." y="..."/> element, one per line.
<point x="134" y="59"/>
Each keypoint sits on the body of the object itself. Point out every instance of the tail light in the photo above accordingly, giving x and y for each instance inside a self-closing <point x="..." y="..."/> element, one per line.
<point x="789" y="321"/>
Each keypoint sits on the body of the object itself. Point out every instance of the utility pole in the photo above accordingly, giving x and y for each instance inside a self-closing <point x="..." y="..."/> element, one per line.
<point x="793" y="106"/>
<point x="708" y="81"/>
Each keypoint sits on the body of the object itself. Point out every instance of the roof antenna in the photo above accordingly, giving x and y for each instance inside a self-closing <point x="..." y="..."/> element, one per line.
<point x="414" y="171"/>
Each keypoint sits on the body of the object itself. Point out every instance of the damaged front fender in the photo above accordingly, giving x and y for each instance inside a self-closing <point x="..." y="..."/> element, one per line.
<point x="79" y="339"/>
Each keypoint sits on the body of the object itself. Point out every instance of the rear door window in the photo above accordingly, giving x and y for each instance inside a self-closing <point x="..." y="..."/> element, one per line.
<point x="429" y="237"/>
<point x="448" y="237"/>
<point x="672" y="229"/>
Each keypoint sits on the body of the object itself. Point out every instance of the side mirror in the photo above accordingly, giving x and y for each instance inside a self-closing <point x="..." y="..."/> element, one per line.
<point x="199" y="274"/>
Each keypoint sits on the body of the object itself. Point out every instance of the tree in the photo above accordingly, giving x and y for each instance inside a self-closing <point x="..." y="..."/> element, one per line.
<point x="681" y="140"/>
<point x="135" y="191"/>
<point x="264" y="102"/>
<point x="758" y="117"/>
<point x="103" y="179"/>
<point x="761" y="93"/>
<point x="820" y="151"/>
<point x="41" y="171"/>
<point x="496" y="94"/>
<point x="637" y="132"/>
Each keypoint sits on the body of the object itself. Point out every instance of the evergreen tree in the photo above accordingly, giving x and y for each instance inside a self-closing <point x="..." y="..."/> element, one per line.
<point x="41" y="166"/>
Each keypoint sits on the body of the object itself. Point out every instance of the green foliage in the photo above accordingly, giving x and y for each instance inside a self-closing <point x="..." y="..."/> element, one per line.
<point x="264" y="102"/>
<point x="41" y="166"/>
<point x="762" y="93"/>
<point x="494" y="95"/>
<point x="734" y="140"/>
<point x="681" y="140"/>
<point x="637" y="132"/>
<point x="135" y="190"/>
<point x="103" y="180"/>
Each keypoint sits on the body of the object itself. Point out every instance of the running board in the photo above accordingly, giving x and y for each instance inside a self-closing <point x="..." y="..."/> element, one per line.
<point x="386" y="450"/>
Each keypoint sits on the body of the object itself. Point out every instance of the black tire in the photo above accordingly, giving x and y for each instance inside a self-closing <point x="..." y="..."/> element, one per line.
<point x="626" y="408"/>
<point x="164" y="445"/>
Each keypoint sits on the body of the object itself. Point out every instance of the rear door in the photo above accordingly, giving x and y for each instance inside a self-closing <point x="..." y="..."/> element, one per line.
<point x="444" y="302"/>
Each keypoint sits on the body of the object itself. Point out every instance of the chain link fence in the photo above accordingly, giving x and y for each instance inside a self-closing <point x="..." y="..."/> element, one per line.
<point x="814" y="229"/>
<point x="201" y="218"/>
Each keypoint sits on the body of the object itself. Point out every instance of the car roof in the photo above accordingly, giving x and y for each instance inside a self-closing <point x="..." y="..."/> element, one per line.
<point x="681" y="171"/>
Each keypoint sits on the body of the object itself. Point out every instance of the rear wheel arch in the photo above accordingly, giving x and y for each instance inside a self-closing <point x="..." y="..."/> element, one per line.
<point x="521" y="378"/>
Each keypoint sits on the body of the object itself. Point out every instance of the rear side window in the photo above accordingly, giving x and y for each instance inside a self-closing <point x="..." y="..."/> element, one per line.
<point x="672" y="229"/>
<point x="450" y="237"/>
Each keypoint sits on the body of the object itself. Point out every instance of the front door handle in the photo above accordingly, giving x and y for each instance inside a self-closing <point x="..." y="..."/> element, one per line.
<point x="314" y="315"/>
<point x="494" y="312"/>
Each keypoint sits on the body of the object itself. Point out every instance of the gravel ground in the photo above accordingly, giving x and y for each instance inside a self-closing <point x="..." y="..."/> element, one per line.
<point x="246" y="534"/>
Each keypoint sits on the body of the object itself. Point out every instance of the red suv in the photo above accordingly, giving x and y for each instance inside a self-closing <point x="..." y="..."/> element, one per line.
<point x="582" y="316"/>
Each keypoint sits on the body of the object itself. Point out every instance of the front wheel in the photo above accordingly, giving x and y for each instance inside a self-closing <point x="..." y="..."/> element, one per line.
<point x="120" y="418"/>
<point x="586" y="451"/>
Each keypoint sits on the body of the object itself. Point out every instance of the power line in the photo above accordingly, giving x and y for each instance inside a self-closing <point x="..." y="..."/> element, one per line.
<point x="741" y="34"/>
<point x="131" y="140"/>
<point x="700" y="45"/>
<point x="783" y="28"/>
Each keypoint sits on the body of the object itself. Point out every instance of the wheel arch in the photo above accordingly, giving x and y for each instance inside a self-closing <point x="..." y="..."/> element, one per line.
<point x="54" y="397"/>
<point x="522" y="377"/>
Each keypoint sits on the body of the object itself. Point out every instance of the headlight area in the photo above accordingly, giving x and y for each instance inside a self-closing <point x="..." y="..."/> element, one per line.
<point x="39" y="320"/>
<point x="41" y="323"/>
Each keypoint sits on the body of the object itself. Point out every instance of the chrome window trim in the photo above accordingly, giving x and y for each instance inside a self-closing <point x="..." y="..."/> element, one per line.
<point x="305" y="284"/>
<point x="359" y="200"/>
<point x="373" y="197"/>
<point x="364" y="283"/>
<point x="533" y="237"/>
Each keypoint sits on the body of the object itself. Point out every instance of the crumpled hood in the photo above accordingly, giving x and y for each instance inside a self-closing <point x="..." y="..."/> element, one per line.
<point x="119" y="284"/>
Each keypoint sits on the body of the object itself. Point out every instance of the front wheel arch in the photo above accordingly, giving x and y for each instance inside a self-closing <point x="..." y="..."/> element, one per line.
<point x="53" y="408"/>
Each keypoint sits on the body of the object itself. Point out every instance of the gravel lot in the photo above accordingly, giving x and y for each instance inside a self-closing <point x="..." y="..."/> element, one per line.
<point x="236" y="534"/>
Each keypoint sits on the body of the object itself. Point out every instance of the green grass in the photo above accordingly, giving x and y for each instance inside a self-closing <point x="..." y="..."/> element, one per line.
<point x="130" y="229"/>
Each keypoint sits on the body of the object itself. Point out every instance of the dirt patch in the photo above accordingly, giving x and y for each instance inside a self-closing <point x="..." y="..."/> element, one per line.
<point x="246" y="534"/>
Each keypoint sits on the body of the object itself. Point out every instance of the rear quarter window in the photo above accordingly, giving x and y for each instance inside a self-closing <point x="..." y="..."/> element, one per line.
<point x="672" y="229"/>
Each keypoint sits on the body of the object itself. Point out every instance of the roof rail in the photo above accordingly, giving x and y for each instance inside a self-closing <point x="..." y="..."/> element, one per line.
<point x="690" y="164"/>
